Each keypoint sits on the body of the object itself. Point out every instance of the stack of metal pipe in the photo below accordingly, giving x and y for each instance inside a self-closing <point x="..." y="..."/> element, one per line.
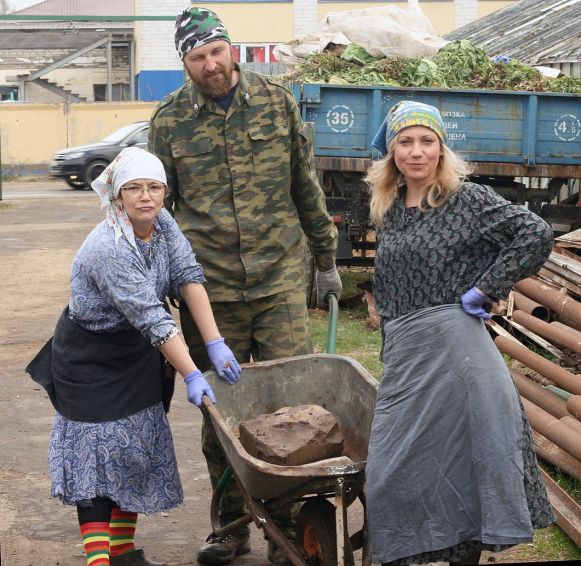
<point x="543" y="315"/>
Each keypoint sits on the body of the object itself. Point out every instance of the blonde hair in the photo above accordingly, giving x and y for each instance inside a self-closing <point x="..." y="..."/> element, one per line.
<point x="384" y="179"/>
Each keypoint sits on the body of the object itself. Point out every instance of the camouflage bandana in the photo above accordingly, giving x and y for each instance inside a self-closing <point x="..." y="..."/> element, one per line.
<point x="196" y="27"/>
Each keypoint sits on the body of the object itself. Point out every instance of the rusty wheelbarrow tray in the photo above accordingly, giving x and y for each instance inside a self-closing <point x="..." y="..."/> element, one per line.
<point x="348" y="391"/>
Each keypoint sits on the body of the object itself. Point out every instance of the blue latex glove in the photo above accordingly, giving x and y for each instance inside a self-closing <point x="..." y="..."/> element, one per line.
<point x="472" y="302"/>
<point x="197" y="388"/>
<point x="223" y="360"/>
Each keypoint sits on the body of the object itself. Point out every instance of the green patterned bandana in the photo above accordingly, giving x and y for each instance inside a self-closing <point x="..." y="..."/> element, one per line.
<point x="411" y="113"/>
<point x="403" y="115"/>
<point x="196" y="27"/>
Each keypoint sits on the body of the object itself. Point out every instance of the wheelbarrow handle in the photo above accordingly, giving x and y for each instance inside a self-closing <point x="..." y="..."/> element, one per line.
<point x="332" y="328"/>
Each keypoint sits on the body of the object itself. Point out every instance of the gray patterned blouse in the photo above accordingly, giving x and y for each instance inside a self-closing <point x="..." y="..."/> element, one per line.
<point x="116" y="287"/>
<point x="477" y="239"/>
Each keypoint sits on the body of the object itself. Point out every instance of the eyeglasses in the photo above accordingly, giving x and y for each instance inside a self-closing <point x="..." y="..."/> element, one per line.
<point x="154" y="190"/>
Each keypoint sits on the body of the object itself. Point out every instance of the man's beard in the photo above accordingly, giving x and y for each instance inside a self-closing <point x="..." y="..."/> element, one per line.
<point x="217" y="86"/>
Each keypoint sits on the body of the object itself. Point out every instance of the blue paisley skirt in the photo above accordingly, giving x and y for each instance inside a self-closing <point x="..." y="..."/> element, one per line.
<point x="131" y="461"/>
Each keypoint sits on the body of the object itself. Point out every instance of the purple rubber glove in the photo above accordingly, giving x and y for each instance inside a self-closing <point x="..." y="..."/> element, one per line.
<point x="223" y="360"/>
<point x="197" y="388"/>
<point x="472" y="302"/>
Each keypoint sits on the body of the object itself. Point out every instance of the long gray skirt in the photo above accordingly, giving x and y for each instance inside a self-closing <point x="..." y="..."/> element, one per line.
<point x="451" y="467"/>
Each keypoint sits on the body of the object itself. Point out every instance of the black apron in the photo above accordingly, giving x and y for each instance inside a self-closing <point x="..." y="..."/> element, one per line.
<point x="98" y="376"/>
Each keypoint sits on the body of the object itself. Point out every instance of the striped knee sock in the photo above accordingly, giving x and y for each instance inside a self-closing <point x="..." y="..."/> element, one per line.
<point x="95" y="537"/>
<point x="122" y="531"/>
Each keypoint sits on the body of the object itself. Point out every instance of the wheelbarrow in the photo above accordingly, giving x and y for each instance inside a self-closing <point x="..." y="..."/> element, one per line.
<point x="325" y="488"/>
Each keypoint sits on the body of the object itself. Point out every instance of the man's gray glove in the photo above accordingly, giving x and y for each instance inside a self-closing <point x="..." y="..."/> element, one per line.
<point x="327" y="282"/>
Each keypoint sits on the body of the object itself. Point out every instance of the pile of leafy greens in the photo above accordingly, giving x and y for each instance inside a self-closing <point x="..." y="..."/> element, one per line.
<point x="458" y="65"/>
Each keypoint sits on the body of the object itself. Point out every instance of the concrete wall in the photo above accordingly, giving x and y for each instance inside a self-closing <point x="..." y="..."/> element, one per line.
<point x="440" y="14"/>
<point x="444" y="16"/>
<point x="305" y="17"/>
<point x="154" y="45"/>
<point x="279" y="22"/>
<point x="78" y="76"/>
<point x="79" y="82"/>
<point x="36" y="94"/>
<point x="247" y="22"/>
<point x="489" y="6"/>
<point x="31" y="133"/>
<point x="465" y="12"/>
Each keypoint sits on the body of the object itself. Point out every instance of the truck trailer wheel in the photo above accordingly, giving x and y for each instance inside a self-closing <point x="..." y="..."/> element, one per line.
<point x="310" y="282"/>
<point x="316" y="534"/>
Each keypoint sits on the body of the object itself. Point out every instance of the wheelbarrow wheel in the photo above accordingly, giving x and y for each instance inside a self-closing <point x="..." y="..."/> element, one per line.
<point x="316" y="534"/>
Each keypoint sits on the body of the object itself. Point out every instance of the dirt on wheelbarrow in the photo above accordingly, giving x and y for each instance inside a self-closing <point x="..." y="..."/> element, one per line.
<point x="42" y="224"/>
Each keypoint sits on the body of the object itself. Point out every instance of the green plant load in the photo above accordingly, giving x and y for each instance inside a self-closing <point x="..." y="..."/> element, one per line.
<point x="458" y="65"/>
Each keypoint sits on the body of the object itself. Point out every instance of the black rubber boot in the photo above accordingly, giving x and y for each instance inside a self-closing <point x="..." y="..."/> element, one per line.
<point x="135" y="558"/>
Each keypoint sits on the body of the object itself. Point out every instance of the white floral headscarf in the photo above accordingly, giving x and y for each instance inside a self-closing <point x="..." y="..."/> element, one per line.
<point x="132" y="163"/>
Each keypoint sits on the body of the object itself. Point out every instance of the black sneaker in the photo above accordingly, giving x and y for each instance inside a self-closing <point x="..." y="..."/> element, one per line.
<point x="222" y="550"/>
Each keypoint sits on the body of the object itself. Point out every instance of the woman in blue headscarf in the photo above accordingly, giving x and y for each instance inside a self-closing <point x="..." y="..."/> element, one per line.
<point x="451" y="468"/>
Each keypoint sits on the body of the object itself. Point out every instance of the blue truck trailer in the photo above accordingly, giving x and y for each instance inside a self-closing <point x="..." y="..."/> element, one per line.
<point x="527" y="145"/>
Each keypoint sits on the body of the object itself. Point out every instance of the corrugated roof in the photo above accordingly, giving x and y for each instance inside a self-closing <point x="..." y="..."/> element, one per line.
<point x="79" y="8"/>
<point x="41" y="40"/>
<point x="536" y="32"/>
<point x="72" y="8"/>
<point x="46" y="40"/>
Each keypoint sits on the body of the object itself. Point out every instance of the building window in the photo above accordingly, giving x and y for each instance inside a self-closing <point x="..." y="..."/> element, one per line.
<point x="8" y="93"/>
<point x="253" y="53"/>
<point x="120" y="91"/>
<point x="271" y="55"/>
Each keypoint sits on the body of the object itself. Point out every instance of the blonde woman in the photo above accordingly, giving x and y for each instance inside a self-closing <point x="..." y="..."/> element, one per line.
<point x="451" y="468"/>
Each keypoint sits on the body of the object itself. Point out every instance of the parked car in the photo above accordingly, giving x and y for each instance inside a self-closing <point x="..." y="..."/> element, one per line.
<point x="79" y="166"/>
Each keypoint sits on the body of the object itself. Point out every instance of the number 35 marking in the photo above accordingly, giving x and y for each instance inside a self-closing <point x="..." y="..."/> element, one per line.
<point x="340" y="118"/>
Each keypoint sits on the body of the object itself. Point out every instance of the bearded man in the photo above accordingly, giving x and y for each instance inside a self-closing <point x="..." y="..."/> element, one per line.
<point x="243" y="188"/>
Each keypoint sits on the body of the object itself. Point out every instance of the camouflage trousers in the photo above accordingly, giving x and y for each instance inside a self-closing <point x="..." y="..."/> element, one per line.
<point x="263" y="329"/>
